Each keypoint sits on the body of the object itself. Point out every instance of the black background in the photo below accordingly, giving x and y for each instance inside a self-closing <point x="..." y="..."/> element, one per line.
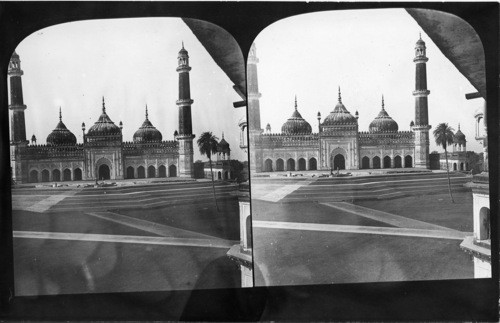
<point x="464" y="300"/>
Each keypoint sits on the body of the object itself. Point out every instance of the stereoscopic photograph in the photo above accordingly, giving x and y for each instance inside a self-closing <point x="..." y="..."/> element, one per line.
<point x="368" y="156"/>
<point x="125" y="157"/>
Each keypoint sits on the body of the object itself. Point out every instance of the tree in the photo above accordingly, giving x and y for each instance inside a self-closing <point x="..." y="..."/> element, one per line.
<point x="443" y="134"/>
<point x="207" y="143"/>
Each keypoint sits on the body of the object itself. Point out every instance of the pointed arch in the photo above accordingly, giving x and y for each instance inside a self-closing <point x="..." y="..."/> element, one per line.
<point x="151" y="171"/>
<point x="56" y="175"/>
<point x="33" y="178"/>
<point x="313" y="164"/>
<point x="162" y="171"/>
<point x="280" y="165"/>
<point x="66" y="175"/>
<point x="77" y="174"/>
<point x="172" y="171"/>
<point x="376" y="162"/>
<point x="302" y="164"/>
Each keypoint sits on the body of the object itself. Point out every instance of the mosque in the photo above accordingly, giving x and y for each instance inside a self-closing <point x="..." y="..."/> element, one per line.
<point x="103" y="153"/>
<point x="338" y="143"/>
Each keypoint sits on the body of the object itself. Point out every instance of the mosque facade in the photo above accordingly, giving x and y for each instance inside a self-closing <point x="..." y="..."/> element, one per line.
<point x="103" y="153"/>
<point x="337" y="143"/>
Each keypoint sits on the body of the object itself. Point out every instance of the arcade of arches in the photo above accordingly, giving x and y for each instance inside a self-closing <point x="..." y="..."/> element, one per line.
<point x="151" y="172"/>
<point x="55" y="175"/>
<point x="337" y="162"/>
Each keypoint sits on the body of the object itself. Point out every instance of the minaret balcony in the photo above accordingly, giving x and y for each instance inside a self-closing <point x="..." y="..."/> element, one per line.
<point x="184" y="102"/>
<point x="420" y="59"/>
<point x="421" y="127"/>
<point x="184" y="136"/>
<point x="17" y="107"/>
<point x="183" y="68"/>
<point x="421" y="92"/>
<point x="15" y="72"/>
<point x="254" y="96"/>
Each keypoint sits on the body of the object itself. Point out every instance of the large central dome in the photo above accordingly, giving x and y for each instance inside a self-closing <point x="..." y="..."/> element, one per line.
<point x="104" y="126"/>
<point x="61" y="135"/>
<point x="340" y="116"/>
<point x="296" y="125"/>
<point x="383" y="122"/>
<point x="147" y="132"/>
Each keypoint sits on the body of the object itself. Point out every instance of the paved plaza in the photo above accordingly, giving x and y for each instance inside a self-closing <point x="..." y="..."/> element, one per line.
<point x="126" y="238"/>
<point x="310" y="230"/>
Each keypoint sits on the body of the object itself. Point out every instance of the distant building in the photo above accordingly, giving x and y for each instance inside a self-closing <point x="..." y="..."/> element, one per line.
<point x="337" y="142"/>
<point x="458" y="157"/>
<point x="103" y="153"/>
<point x="222" y="166"/>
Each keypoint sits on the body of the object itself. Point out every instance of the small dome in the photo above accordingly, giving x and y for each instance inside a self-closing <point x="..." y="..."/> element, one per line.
<point x="104" y="126"/>
<point x="383" y="122"/>
<point x="296" y="125"/>
<point x="183" y="51"/>
<point x="147" y="132"/>
<point x="60" y="136"/>
<point x="340" y="115"/>
<point x="223" y="145"/>
<point x="459" y="136"/>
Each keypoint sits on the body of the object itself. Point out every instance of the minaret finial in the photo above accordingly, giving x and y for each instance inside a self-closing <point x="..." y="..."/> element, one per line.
<point x="295" y="101"/>
<point x="103" y="106"/>
<point x="340" y="96"/>
<point x="146" y="112"/>
<point x="60" y="114"/>
<point x="459" y="126"/>
<point x="182" y="44"/>
<point x="383" y="102"/>
<point x="223" y="135"/>
<point x="420" y="35"/>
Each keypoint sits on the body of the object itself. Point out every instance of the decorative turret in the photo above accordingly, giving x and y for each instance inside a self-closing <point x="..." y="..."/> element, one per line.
<point x="383" y="122"/>
<point x="185" y="135"/>
<point x="147" y="132"/>
<point x="421" y="127"/>
<point x="296" y="125"/>
<point x="340" y="115"/>
<point x="268" y="128"/>
<point x="61" y="136"/>
<point x="33" y="140"/>
<point x="459" y="142"/>
<point x="17" y="107"/>
<point x="223" y="150"/>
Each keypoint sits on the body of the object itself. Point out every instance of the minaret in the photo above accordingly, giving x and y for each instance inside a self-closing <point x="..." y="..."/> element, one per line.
<point x="254" y="128"/>
<point x="18" y="127"/>
<point x="421" y="127"/>
<point x="185" y="136"/>
<point x="17" y="124"/>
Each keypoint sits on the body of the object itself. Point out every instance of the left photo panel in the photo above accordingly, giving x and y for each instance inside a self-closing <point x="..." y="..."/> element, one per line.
<point x="129" y="158"/>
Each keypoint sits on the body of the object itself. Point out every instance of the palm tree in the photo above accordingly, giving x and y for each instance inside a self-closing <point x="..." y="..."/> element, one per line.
<point x="443" y="134"/>
<point x="208" y="146"/>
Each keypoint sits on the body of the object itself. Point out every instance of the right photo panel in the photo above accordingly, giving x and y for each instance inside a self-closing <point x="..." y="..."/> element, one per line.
<point x="368" y="150"/>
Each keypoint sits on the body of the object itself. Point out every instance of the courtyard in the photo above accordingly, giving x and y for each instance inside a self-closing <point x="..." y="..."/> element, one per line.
<point x="310" y="230"/>
<point x="127" y="238"/>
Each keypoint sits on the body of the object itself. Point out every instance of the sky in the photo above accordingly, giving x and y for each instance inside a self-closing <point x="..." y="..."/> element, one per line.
<point x="368" y="53"/>
<point x="131" y="62"/>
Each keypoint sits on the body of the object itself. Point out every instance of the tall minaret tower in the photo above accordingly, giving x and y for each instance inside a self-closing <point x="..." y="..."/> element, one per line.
<point x="421" y="127"/>
<point x="17" y="124"/>
<point x="185" y="136"/>
<point x="254" y="128"/>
